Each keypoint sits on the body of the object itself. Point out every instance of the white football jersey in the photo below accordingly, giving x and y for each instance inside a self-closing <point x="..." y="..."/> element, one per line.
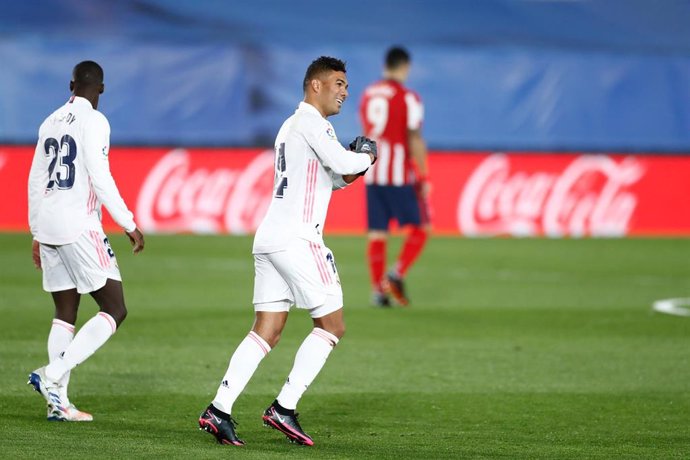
<point x="309" y="165"/>
<point x="70" y="176"/>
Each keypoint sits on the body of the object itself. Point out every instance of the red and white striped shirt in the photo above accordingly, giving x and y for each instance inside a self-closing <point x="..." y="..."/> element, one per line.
<point x="309" y="165"/>
<point x="388" y="111"/>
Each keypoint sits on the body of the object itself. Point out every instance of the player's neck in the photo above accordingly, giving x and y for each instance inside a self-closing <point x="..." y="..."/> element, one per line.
<point x="316" y="105"/>
<point x="89" y="97"/>
<point x="394" y="77"/>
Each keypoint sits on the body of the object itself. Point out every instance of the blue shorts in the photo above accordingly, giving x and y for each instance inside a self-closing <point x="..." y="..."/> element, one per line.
<point x="388" y="202"/>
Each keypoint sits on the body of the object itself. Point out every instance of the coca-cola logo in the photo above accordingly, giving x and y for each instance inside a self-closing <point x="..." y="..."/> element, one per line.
<point x="591" y="196"/>
<point x="175" y="197"/>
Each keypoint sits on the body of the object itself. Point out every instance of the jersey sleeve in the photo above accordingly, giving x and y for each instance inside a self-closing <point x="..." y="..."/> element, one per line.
<point x="322" y="139"/>
<point x="96" y="149"/>
<point x="415" y="111"/>
<point x="338" y="181"/>
<point x="38" y="179"/>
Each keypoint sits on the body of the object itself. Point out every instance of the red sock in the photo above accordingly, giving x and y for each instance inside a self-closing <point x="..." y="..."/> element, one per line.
<point x="414" y="243"/>
<point x="376" y="253"/>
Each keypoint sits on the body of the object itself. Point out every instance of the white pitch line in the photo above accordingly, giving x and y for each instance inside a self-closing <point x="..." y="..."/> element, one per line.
<point x="678" y="307"/>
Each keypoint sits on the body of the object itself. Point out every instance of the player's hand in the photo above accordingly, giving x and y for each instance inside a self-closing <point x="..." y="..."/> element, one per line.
<point x="350" y="178"/>
<point x="424" y="188"/>
<point x="36" y="254"/>
<point x="137" y="240"/>
<point x="362" y="144"/>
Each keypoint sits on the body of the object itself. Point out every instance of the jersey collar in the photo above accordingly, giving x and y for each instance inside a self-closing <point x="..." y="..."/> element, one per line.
<point x="307" y="107"/>
<point x="79" y="101"/>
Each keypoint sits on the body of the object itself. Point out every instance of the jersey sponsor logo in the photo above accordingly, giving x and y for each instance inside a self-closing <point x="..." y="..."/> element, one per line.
<point x="331" y="133"/>
<point x="591" y="196"/>
<point x="105" y="151"/>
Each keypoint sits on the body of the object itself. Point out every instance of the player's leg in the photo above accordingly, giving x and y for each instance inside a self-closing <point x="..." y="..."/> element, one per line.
<point x="58" y="281"/>
<point x="216" y="418"/>
<point x="272" y="301"/>
<point x="378" y="217"/>
<point x="60" y="336"/>
<point x="409" y="213"/>
<point x="329" y="327"/>
<point x="263" y="336"/>
<point x="309" y="360"/>
<point x="93" y="268"/>
<point x="95" y="332"/>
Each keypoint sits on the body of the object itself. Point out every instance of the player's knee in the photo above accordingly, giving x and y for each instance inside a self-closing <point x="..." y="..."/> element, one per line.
<point x="337" y="330"/>
<point x="377" y="235"/>
<point x="272" y="339"/>
<point x="419" y="232"/>
<point x="118" y="313"/>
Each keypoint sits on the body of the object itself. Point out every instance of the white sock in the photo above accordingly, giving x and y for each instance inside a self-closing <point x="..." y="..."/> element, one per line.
<point x="61" y="334"/>
<point x="92" y="335"/>
<point x="243" y="364"/>
<point x="309" y="360"/>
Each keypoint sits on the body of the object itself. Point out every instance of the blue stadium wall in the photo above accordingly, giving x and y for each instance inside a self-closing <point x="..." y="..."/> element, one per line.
<point x="517" y="75"/>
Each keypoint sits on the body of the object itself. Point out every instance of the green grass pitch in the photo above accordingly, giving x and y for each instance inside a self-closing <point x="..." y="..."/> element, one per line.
<point x="513" y="348"/>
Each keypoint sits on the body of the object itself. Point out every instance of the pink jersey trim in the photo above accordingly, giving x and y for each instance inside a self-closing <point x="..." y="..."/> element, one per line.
<point x="311" y="189"/>
<point x="320" y="263"/>
<point x="91" y="202"/>
<point x="103" y="257"/>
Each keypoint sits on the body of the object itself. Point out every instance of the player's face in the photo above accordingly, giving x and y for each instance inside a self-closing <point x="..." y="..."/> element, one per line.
<point x="334" y="92"/>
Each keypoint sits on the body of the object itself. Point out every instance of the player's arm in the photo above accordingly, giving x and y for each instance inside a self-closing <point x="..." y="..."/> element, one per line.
<point x="341" y="181"/>
<point x="420" y="156"/>
<point x="38" y="179"/>
<point x="418" y="150"/>
<point x="332" y="154"/>
<point x="97" y="147"/>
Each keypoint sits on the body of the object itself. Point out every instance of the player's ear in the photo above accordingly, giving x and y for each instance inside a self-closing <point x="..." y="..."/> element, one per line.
<point x="71" y="86"/>
<point x="316" y="85"/>
<point x="102" y="89"/>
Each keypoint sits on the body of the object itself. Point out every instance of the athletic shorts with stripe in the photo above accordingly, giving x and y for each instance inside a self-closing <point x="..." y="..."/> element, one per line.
<point x="85" y="264"/>
<point x="304" y="275"/>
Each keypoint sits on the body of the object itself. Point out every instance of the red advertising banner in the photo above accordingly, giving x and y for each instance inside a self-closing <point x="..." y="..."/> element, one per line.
<point x="474" y="194"/>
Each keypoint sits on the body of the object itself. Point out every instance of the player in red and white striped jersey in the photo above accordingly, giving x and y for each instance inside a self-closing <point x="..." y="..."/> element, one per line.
<point x="397" y="185"/>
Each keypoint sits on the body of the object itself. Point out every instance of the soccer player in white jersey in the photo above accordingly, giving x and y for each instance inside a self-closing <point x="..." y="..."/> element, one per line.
<point x="293" y="267"/>
<point x="69" y="181"/>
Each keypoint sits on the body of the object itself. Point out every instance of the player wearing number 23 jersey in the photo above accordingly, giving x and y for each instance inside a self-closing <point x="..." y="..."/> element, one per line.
<point x="69" y="180"/>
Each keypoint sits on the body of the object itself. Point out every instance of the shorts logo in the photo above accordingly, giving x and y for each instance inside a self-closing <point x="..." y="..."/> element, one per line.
<point x="329" y="257"/>
<point x="108" y="249"/>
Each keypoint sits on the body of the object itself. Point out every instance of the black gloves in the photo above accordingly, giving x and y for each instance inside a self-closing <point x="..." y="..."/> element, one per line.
<point x="363" y="144"/>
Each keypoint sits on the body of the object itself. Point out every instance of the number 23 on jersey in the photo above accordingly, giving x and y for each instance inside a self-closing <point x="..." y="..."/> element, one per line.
<point x="61" y="169"/>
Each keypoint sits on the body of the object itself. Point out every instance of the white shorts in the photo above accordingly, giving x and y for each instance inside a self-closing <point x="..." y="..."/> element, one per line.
<point x="85" y="264"/>
<point x="303" y="275"/>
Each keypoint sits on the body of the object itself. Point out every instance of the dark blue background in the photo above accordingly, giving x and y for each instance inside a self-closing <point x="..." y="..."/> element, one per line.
<point x="494" y="74"/>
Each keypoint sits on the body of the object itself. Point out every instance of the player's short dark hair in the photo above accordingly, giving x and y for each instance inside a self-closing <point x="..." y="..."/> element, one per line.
<point x="321" y="65"/>
<point x="87" y="73"/>
<point x="396" y="56"/>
